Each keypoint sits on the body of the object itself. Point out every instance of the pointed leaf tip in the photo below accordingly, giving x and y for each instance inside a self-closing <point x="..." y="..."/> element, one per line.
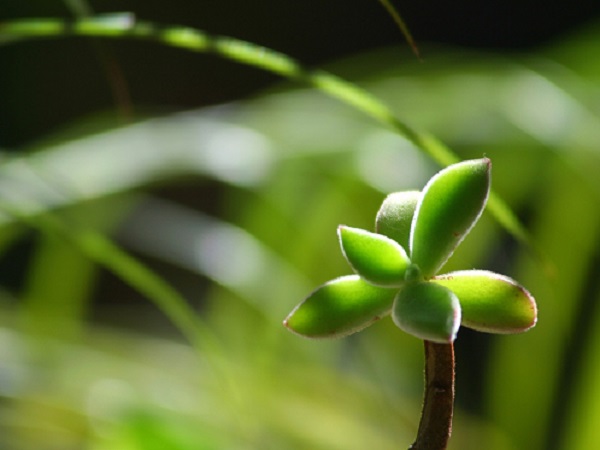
<point x="451" y="204"/>
<point x="491" y="302"/>
<point x="340" y="307"/>
<point x="428" y="311"/>
<point x="375" y="257"/>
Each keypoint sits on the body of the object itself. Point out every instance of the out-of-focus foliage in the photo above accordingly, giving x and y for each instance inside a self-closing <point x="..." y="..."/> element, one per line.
<point x="285" y="168"/>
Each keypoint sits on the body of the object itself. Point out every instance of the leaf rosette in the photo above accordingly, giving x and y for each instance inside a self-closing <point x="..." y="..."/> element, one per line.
<point x="396" y="269"/>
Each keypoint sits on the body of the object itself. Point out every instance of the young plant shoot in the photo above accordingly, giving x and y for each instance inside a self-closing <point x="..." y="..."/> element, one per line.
<point x="396" y="271"/>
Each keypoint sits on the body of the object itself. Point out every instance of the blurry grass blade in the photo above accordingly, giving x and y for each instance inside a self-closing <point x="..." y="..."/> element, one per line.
<point x="237" y="50"/>
<point x="506" y="217"/>
<point x="358" y="98"/>
<point x="226" y="254"/>
<point x="80" y="8"/>
<point x="104" y="252"/>
<point x="102" y="25"/>
<point x="17" y="30"/>
<point x="113" y="24"/>
<point x="122" y="25"/>
<point x="59" y="283"/>
<point x="186" y="38"/>
<point x="141" y="278"/>
<point x="392" y="11"/>
<point x="220" y="150"/>
<point x="253" y="55"/>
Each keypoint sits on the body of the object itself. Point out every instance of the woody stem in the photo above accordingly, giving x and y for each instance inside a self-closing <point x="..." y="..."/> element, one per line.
<point x="435" y="426"/>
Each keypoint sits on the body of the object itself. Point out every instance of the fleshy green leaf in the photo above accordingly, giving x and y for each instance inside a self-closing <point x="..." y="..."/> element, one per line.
<point x="428" y="311"/>
<point x="395" y="216"/>
<point x="491" y="302"/>
<point x="452" y="202"/>
<point x="375" y="257"/>
<point x="340" y="307"/>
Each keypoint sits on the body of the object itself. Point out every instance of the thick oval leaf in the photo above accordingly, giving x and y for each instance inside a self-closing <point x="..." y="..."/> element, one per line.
<point x="428" y="311"/>
<point x="395" y="216"/>
<point x="375" y="257"/>
<point x="340" y="307"/>
<point x="491" y="302"/>
<point x="452" y="202"/>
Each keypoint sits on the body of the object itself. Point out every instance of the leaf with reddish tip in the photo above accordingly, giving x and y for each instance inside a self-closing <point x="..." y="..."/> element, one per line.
<point x="491" y="302"/>
<point x="428" y="311"/>
<point x="395" y="216"/>
<point x="452" y="202"/>
<point x="375" y="257"/>
<point x="340" y="307"/>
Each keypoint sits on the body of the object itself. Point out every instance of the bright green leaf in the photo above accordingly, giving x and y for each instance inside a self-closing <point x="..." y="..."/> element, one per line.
<point x="491" y="302"/>
<point x="340" y="307"/>
<point x="377" y="258"/>
<point x="395" y="216"/>
<point x="428" y="311"/>
<point x="451" y="204"/>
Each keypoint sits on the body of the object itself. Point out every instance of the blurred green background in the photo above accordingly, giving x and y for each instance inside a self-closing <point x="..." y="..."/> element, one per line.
<point x="229" y="183"/>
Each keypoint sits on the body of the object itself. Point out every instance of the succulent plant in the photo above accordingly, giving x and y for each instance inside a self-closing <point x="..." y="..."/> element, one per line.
<point x="396" y="271"/>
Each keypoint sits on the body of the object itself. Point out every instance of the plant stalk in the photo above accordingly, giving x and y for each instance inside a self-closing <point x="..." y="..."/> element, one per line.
<point x="435" y="426"/>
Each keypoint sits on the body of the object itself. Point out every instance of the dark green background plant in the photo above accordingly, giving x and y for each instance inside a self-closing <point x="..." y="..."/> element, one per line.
<point x="87" y="363"/>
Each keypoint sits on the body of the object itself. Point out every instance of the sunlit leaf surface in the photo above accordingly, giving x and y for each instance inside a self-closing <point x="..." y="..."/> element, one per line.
<point x="451" y="203"/>
<point x="491" y="302"/>
<point x="340" y="307"/>
<point x="376" y="258"/>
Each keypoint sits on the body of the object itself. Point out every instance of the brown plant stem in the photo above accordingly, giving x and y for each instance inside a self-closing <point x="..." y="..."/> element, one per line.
<point x="435" y="426"/>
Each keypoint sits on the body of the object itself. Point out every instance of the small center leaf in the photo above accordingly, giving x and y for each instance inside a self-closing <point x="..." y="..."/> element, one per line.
<point x="377" y="258"/>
